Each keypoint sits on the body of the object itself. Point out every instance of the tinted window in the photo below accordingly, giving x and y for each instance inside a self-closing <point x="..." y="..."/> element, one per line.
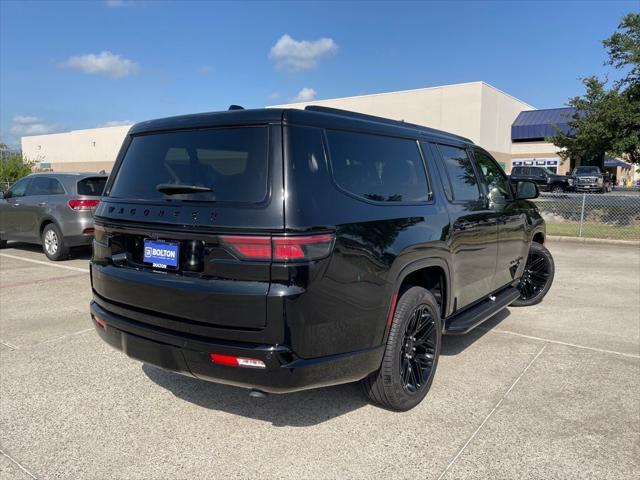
<point x="518" y="171"/>
<point x="233" y="162"/>
<point x="460" y="173"/>
<point x="92" y="186"/>
<point x="587" y="171"/>
<point x="497" y="183"/>
<point x="383" y="169"/>
<point x="19" y="188"/>
<point x="45" y="186"/>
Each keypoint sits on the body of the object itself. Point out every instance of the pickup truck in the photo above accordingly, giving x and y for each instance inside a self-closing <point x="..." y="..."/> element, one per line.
<point x="592" y="179"/>
<point x="545" y="179"/>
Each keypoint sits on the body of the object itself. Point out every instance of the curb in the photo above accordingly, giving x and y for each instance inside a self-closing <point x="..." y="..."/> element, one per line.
<point x="601" y="241"/>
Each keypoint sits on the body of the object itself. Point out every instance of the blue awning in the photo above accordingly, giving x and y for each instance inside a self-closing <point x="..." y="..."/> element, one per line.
<point x="539" y="124"/>
<point x="614" y="162"/>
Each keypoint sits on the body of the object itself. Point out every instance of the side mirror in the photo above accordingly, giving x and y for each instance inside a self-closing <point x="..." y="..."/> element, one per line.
<point x="527" y="191"/>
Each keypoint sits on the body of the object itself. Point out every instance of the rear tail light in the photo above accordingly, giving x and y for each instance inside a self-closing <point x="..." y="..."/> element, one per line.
<point x="233" y="361"/>
<point x="83" y="204"/>
<point x="87" y="231"/>
<point x="251" y="248"/>
<point x="282" y="249"/>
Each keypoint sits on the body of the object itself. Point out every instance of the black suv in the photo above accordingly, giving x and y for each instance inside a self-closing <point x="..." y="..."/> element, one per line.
<point x="282" y="249"/>
<point x="545" y="179"/>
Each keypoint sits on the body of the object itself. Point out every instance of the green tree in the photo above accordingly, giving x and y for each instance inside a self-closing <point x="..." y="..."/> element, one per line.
<point x="13" y="168"/>
<point x="607" y="120"/>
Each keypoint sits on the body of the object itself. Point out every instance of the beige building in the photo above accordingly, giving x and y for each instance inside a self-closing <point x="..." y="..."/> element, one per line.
<point x="474" y="110"/>
<point x="90" y="150"/>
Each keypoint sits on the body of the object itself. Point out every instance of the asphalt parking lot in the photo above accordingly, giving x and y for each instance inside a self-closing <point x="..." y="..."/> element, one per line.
<point x="551" y="391"/>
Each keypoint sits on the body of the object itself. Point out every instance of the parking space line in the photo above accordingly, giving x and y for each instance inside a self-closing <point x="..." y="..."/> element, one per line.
<point x="558" y="342"/>
<point x="48" y="264"/>
<point x="18" y="464"/>
<point x="49" y="279"/>
<point x="10" y="346"/>
<point x="73" y="334"/>
<point x="473" y="435"/>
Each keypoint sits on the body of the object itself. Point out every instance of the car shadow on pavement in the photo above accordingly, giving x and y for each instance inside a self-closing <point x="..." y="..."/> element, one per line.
<point x="455" y="344"/>
<point x="299" y="409"/>
<point x="76" y="253"/>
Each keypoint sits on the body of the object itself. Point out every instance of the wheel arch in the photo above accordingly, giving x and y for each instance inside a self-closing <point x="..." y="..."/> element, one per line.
<point x="539" y="237"/>
<point x="44" y="221"/>
<point x="427" y="273"/>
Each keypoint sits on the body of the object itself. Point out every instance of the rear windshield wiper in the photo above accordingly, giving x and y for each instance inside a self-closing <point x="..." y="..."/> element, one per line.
<point x="177" y="189"/>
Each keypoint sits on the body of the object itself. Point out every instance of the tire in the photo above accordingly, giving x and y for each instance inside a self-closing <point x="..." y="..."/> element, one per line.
<point x="537" y="277"/>
<point x="417" y="311"/>
<point x="3" y="243"/>
<point x="557" y="189"/>
<point x="53" y="244"/>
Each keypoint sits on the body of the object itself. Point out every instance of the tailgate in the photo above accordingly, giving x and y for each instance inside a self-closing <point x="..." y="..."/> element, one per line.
<point x="164" y="252"/>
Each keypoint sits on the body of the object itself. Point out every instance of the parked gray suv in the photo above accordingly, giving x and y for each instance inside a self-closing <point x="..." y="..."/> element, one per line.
<point x="54" y="210"/>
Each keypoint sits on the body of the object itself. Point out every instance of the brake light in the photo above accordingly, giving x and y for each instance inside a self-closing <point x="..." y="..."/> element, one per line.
<point x="233" y="361"/>
<point x="309" y="247"/>
<point x="251" y="248"/>
<point x="302" y="248"/>
<point x="83" y="204"/>
<point x="87" y="231"/>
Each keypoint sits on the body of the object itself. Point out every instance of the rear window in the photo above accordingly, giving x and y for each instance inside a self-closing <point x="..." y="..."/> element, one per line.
<point x="383" y="169"/>
<point x="232" y="162"/>
<point x="92" y="186"/>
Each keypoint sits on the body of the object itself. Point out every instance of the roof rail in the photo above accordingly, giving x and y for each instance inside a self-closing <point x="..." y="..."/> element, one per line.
<point x="374" y="118"/>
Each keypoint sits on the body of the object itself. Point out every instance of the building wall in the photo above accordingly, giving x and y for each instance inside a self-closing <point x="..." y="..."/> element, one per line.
<point x="474" y="110"/>
<point x="538" y="151"/>
<point x="79" y="150"/>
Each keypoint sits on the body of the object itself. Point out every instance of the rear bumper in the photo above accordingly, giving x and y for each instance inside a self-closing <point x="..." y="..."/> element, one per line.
<point x="284" y="372"/>
<point x="79" y="240"/>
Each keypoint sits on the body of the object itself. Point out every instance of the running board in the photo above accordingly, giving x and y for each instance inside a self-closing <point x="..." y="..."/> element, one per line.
<point x="467" y="320"/>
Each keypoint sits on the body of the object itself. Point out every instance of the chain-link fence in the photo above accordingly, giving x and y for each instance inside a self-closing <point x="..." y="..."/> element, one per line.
<point x="591" y="215"/>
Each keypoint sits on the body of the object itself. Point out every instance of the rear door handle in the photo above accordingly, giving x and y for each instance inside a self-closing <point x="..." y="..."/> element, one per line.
<point x="42" y="204"/>
<point x="14" y="205"/>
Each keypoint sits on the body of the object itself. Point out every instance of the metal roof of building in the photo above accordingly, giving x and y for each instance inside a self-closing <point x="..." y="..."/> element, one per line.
<point x="540" y="124"/>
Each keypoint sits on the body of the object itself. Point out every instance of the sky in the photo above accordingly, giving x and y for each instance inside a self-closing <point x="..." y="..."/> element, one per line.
<point x="68" y="65"/>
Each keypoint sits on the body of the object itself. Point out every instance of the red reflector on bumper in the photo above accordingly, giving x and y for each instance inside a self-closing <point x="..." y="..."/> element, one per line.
<point x="101" y="323"/>
<point x="233" y="361"/>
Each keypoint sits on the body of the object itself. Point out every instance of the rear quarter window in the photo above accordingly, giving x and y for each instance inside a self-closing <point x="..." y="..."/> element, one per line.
<point x="92" y="186"/>
<point x="378" y="168"/>
<point x="232" y="162"/>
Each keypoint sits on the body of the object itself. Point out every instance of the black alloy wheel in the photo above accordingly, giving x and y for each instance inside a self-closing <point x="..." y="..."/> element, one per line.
<point x="537" y="277"/>
<point x="411" y="355"/>
<point x="418" y="351"/>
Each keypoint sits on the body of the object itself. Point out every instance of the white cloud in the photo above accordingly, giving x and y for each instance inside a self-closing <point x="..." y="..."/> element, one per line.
<point x="293" y="55"/>
<point x="24" y="125"/>
<point x="116" y="123"/>
<point x="305" y="95"/>
<point x="103" y="63"/>
<point x="121" y="3"/>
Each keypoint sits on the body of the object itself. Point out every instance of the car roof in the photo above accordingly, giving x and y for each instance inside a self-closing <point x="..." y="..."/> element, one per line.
<point x="314" y="116"/>
<point x="70" y="174"/>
